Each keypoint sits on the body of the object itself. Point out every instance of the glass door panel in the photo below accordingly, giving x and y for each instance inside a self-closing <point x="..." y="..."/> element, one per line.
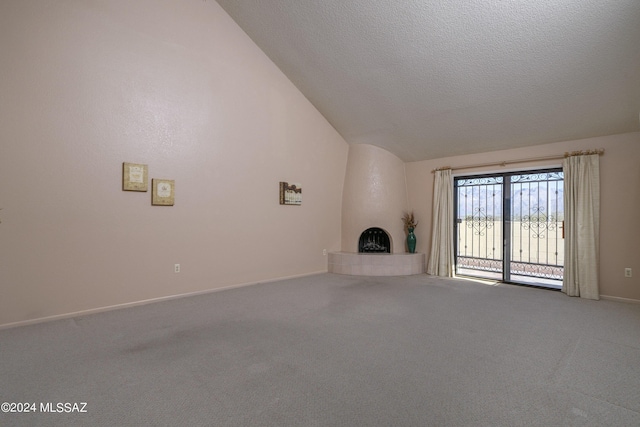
<point x="509" y="227"/>
<point x="479" y="226"/>
<point x="537" y="214"/>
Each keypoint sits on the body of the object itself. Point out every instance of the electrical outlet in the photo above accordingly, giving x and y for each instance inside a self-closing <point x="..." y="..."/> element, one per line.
<point x="176" y="268"/>
<point x="628" y="272"/>
<point x="324" y="252"/>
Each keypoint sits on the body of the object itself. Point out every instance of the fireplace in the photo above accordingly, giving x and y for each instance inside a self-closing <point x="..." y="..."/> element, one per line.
<point x="375" y="258"/>
<point x="374" y="240"/>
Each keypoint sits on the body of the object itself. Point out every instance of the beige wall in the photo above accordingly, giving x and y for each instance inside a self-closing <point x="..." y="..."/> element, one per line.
<point x="375" y="195"/>
<point x="620" y="200"/>
<point x="88" y="84"/>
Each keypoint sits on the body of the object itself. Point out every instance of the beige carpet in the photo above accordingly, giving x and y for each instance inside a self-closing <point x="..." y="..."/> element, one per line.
<point x="331" y="350"/>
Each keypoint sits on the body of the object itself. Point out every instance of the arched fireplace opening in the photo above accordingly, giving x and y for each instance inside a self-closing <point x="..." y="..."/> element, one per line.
<point x="374" y="240"/>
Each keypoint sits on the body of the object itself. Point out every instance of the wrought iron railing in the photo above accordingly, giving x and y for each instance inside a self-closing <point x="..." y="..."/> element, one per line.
<point x="512" y="218"/>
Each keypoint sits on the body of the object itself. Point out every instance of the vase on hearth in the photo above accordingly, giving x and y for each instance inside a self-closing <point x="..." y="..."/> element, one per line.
<point x="411" y="241"/>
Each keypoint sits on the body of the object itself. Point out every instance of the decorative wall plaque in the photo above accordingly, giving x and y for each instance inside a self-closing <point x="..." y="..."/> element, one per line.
<point x="134" y="177"/>
<point x="290" y="194"/>
<point x="163" y="192"/>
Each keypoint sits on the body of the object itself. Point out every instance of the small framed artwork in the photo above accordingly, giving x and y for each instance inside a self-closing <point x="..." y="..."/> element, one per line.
<point x="163" y="192"/>
<point x="134" y="177"/>
<point x="290" y="194"/>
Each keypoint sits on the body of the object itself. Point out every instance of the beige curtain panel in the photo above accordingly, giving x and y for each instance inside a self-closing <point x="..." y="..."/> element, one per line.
<point x="582" y="225"/>
<point x="441" y="257"/>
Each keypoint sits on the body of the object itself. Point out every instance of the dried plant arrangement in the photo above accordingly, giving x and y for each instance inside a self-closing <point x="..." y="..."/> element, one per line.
<point x="409" y="220"/>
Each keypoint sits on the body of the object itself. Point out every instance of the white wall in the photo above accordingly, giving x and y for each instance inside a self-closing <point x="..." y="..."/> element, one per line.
<point x="620" y="200"/>
<point x="88" y="84"/>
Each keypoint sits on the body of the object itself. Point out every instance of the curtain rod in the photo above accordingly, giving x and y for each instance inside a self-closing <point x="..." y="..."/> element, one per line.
<point x="599" y="151"/>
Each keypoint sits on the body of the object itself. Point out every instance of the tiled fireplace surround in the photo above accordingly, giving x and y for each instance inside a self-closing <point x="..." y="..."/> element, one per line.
<point x="361" y="264"/>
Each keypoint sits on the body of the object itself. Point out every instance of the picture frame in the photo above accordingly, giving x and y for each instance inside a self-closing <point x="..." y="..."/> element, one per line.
<point x="135" y="177"/>
<point x="163" y="192"/>
<point x="290" y="194"/>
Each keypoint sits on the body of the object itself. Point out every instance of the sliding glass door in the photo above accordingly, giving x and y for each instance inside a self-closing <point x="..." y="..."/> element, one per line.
<point x="509" y="227"/>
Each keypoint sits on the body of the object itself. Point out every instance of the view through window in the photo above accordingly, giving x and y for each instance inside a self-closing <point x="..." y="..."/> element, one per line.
<point x="509" y="227"/>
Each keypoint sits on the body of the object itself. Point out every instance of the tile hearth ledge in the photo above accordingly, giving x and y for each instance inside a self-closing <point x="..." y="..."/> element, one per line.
<point x="363" y="264"/>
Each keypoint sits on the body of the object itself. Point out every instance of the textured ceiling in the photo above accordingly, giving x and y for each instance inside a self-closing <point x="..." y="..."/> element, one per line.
<point x="427" y="79"/>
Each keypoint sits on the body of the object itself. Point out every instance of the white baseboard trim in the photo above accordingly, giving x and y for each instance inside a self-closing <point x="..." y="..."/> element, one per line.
<point x="148" y="301"/>
<point x="620" y="299"/>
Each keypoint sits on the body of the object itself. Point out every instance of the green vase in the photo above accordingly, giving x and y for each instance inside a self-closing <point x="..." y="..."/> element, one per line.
<point x="411" y="241"/>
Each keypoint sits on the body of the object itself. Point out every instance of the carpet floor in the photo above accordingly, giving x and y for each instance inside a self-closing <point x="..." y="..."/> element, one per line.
<point x="333" y="350"/>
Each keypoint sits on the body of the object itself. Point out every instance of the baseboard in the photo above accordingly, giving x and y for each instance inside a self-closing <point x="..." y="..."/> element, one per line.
<point x="148" y="301"/>
<point x="620" y="299"/>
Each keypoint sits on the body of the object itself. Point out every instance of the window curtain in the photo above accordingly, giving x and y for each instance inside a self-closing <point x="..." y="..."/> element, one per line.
<point x="441" y="256"/>
<point x="582" y="225"/>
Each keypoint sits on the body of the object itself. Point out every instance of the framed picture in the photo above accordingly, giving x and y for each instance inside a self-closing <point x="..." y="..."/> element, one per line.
<point x="290" y="194"/>
<point x="134" y="177"/>
<point x="163" y="192"/>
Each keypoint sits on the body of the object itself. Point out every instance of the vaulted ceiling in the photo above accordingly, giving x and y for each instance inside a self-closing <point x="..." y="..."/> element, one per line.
<point x="427" y="79"/>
